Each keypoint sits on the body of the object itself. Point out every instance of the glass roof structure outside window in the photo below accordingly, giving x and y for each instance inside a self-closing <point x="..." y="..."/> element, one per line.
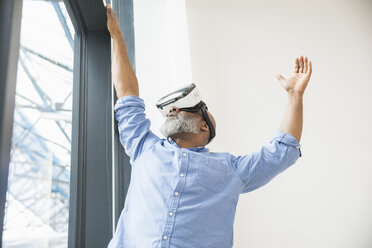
<point x="38" y="187"/>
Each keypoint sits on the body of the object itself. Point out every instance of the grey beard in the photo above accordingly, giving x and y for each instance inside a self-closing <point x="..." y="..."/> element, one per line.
<point x="179" y="124"/>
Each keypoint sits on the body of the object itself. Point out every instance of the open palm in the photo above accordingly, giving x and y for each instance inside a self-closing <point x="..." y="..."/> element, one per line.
<point x="300" y="77"/>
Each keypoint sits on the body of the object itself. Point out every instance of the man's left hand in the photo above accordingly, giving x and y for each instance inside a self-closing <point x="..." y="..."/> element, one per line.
<point x="300" y="77"/>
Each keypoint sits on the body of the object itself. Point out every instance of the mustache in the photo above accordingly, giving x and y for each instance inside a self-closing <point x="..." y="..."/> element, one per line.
<point x="173" y="114"/>
<point x="179" y="116"/>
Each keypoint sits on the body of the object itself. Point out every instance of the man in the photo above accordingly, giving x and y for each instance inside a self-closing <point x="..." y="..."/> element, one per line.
<point x="181" y="194"/>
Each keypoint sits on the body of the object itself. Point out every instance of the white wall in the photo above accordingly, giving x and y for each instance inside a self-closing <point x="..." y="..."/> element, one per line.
<point x="237" y="47"/>
<point x="162" y="51"/>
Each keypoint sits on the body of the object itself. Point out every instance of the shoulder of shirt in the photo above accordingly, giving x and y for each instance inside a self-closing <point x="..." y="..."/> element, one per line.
<point x="219" y="155"/>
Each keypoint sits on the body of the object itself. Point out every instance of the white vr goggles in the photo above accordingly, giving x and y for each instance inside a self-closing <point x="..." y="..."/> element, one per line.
<point x="186" y="99"/>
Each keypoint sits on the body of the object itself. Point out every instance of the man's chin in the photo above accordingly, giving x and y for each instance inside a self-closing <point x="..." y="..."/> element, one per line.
<point x="163" y="130"/>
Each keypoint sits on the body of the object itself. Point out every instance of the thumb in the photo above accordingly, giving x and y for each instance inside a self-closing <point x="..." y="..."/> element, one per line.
<point x="279" y="77"/>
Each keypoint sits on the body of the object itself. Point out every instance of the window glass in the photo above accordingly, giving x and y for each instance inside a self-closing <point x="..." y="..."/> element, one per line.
<point x="37" y="201"/>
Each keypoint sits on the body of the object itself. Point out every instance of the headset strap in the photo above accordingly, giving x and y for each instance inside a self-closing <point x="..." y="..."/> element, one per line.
<point x="203" y="107"/>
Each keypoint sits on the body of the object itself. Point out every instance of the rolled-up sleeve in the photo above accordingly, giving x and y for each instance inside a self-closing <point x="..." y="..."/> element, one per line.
<point x="259" y="168"/>
<point x="134" y="128"/>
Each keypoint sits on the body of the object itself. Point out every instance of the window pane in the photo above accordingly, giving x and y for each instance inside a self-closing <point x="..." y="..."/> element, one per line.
<point x="38" y="188"/>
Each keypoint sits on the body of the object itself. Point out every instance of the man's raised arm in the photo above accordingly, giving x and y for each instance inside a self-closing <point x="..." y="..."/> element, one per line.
<point x="295" y="87"/>
<point x="123" y="76"/>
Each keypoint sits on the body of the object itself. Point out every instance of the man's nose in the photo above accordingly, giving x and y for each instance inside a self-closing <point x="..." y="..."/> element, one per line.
<point x="173" y="109"/>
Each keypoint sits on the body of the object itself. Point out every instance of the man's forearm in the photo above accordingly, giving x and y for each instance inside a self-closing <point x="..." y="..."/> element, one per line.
<point x="293" y="117"/>
<point x="123" y="76"/>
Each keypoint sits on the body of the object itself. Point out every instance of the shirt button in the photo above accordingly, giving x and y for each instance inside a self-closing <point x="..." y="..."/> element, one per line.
<point x="170" y="213"/>
<point x="176" y="193"/>
<point x="182" y="175"/>
<point x="184" y="154"/>
<point x="165" y="237"/>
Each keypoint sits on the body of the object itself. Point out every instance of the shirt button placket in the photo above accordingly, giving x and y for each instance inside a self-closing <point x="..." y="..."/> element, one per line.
<point x="175" y="200"/>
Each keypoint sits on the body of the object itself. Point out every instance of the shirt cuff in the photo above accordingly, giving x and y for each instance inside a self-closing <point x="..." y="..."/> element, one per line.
<point x="287" y="138"/>
<point x="129" y="101"/>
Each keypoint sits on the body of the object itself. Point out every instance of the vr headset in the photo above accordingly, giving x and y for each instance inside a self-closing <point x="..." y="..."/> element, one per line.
<point x="186" y="99"/>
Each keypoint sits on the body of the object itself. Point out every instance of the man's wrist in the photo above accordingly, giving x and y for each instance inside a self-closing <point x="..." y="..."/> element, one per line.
<point x="295" y="95"/>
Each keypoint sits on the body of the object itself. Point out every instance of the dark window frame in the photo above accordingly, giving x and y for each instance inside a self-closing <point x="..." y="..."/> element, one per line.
<point x="95" y="203"/>
<point x="10" y="29"/>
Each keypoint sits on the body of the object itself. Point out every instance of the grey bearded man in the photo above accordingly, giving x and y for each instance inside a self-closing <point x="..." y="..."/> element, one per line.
<point x="181" y="195"/>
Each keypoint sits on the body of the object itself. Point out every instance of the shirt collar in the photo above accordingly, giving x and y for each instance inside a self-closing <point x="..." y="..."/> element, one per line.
<point x="195" y="149"/>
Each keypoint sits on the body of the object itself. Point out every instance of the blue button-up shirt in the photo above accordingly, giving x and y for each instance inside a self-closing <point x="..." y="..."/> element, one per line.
<point x="187" y="197"/>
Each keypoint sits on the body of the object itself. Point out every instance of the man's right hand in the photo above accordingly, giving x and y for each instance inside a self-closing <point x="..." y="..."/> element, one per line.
<point x="123" y="76"/>
<point x="113" y="25"/>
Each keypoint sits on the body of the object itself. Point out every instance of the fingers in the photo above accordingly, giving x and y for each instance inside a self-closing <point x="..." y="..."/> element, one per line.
<point x="109" y="10"/>
<point x="309" y="67"/>
<point x="305" y="65"/>
<point x="302" y="65"/>
<point x="296" y="66"/>
<point x="301" y="62"/>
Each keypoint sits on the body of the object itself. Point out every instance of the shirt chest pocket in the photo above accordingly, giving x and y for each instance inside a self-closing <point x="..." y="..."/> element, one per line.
<point x="211" y="174"/>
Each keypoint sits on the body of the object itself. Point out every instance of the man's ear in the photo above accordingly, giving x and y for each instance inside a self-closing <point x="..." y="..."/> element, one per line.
<point x="204" y="127"/>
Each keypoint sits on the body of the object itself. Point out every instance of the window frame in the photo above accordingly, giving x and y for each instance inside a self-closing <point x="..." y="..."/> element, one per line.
<point x="10" y="23"/>
<point x="98" y="186"/>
